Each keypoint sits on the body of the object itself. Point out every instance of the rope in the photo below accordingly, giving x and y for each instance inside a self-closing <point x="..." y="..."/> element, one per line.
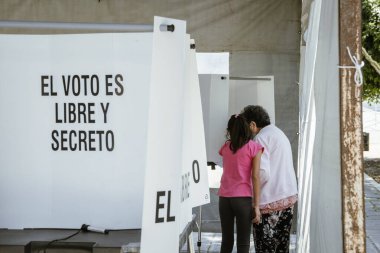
<point x="358" y="77"/>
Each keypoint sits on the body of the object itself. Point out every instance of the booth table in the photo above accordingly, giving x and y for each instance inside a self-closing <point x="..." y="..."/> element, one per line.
<point x="32" y="240"/>
<point x="116" y="241"/>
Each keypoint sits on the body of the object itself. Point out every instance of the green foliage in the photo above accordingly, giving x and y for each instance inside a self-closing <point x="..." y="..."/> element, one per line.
<point x="371" y="42"/>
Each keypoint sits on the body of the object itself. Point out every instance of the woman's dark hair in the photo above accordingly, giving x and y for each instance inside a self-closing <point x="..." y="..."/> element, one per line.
<point x="256" y="114"/>
<point x="238" y="132"/>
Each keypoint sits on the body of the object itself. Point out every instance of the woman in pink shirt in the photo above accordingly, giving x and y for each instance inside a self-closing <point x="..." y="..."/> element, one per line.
<point x="240" y="182"/>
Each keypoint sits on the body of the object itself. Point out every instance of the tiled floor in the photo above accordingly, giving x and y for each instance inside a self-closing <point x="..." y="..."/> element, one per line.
<point x="372" y="204"/>
<point x="210" y="243"/>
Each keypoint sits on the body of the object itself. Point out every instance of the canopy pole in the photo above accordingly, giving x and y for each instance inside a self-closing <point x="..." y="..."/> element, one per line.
<point x="351" y="133"/>
<point x="239" y="78"/>
<point x="82" y="26"/>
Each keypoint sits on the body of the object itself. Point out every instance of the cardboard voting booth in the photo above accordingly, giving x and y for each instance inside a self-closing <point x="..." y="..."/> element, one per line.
<point x="215" y="95"/>
<point x="102" y="129"/>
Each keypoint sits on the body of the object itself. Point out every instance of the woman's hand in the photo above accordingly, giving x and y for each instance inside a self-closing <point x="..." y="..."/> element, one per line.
<point x="256" y="215"/>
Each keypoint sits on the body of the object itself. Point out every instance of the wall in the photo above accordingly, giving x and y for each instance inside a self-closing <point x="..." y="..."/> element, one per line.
<point x="284" y="67"/>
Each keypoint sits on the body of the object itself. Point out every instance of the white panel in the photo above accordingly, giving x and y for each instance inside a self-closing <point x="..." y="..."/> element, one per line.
<point x="252" y="92"/>
<point x="161" y="214"/>
<point x="205" y="89"/>
<point x="214" y="93"/>
<point x="213" y="63"/>
<point x="194" y="177"/>
<point x="187" y="135"/>
<point x="194" y="145"/>
<point x="40" y="187"/>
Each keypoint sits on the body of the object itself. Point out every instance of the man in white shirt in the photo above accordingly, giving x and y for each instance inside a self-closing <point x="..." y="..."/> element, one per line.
<point x="278" y="183"/>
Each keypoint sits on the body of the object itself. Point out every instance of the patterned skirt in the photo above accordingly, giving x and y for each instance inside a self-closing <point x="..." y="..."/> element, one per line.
<point x="272" y="234"/>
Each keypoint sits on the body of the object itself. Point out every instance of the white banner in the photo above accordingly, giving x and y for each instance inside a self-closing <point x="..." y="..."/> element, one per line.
<point x="194" y="145"/>
<point x="74" y="117"/>
<point x="90" y="122"/>
<point x="161" y="215"/>
<point x="194" y="187"/>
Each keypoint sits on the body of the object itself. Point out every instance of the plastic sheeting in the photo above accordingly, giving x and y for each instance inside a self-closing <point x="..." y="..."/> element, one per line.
<point x="319" y="226"/>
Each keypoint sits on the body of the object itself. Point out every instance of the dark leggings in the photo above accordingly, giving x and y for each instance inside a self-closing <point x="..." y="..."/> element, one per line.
<point x="241" y="208"/>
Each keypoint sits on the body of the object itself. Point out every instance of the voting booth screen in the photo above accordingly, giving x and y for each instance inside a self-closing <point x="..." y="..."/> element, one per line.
<point x="76" y="131"/>
<point x="73" y="129"/>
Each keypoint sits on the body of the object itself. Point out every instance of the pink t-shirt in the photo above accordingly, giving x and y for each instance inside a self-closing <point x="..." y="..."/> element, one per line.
<point x="236" y="179"/>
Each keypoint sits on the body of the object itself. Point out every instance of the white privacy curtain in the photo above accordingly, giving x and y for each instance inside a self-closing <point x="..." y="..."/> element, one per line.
<point x="319" y="225"/>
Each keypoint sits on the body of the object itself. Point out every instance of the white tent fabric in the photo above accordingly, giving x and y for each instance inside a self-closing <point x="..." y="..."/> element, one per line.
<point x="307" y="130"/>
<point x="319" y="225"/>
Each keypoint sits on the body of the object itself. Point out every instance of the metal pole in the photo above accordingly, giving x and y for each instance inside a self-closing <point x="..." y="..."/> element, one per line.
<point x="81" y="26"/>
<point x="250" y="78"/>
<point x="199" y="243"/>
<point x="351" y="132"/>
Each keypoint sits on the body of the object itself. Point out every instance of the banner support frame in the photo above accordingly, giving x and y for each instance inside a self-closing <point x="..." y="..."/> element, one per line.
<point x="110" y="27"/>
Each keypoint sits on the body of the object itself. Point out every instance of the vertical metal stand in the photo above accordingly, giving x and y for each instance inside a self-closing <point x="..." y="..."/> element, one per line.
<point x="190" y="243"/>
<point x="199" y="243"/>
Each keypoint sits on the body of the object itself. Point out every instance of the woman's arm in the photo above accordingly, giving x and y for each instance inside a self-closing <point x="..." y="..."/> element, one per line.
<point x="256" y="187"/>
